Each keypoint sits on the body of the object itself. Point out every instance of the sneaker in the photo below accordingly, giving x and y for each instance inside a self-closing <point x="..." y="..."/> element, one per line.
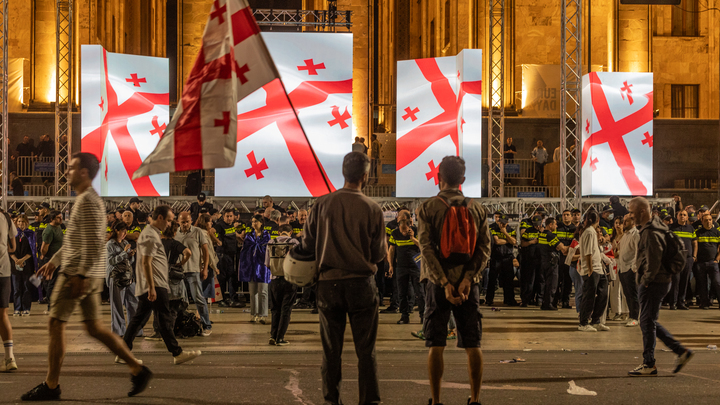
<point x="254" y="319"/>
<point x="16" y="313"/>
<point x="224" y="304"/>
<point x="643" y="370"/>
<point x="118" y="360"/>
<point x="419" y="334"/>
<point x="586" y="328"/>
<point x="42" y="393"/>
<point x="237" y="304"/>
<point x="682" y="307"/>
<point x="617" y="317"/>
<point x="154" y="337"/>
<point x="473" y="402"/>
<point x="206" y="332"/>
<point x="10" y="364"/>
<point x="272" y="342"/>
<point x="682" y="360"/>
<point x="631" y="323"/>
<point x="186" y="356"/>
<point x="566" y="305"/>
<point x="262" y="319"/>
<point x="601" y="327"/>
<point x="140" y="382"/>
<point x="404" y="320"/>
<point x="451" y="335"/>
<point x="282" y="342"/>
<point x="25" y="313"/>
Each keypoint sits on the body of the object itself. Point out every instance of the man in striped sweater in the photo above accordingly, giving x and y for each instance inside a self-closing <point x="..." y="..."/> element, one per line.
<point x="80" y="282"/>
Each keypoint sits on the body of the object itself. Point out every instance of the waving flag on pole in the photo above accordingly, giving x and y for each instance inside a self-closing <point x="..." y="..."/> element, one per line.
<point x="233" y="62"/>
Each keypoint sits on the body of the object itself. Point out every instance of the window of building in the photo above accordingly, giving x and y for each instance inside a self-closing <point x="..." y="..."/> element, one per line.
<point x="685" y="19"/>
<point x="447" y="24"/>
<point x="684" y="101"/>
<point x="433" y="34"/>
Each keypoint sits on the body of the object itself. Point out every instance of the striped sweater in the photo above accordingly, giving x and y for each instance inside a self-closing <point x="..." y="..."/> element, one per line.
<point x="83" y="252"/>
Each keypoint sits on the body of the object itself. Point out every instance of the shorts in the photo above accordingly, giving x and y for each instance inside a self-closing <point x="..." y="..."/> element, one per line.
<point x="437" y="315"/>
<point x="5" y="291"/>
<point x="62" y="305"/>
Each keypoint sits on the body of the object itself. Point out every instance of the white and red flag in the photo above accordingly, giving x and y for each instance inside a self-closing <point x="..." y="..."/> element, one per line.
<point x="274" y="156"/>
<point x="617" y="134"/>
<point x="439" y="113"/>
<point x="125" y="111"/>
<point x="233" y="62"/>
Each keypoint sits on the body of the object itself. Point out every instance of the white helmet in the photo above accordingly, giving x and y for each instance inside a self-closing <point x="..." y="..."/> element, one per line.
<point x="300" y="267"/>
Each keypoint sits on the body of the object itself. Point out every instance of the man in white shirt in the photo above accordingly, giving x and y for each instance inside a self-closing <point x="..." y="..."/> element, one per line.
<point x="7" y="234"/>
<point x="196" y="270"/>
<point x="626" y="251"/>
<point x="595" y="283"/>
<point x="540" y="157"/>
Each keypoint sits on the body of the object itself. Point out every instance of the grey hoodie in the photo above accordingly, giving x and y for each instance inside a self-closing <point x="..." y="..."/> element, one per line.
<point x="651" y="246"/>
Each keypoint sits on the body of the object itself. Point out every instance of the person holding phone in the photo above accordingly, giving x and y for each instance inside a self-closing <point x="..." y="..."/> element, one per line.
<point x="120" y="254"/>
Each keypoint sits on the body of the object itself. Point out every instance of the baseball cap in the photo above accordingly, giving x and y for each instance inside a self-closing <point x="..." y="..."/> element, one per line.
<point x="201" y="197"/>
<point x="540" y="209"/>
<point x="607" y="208"/>
<point x="47" y="205"/>
<point x="135" y="200"/>
<point x="703" y="208"/>
<point x="536" y="220"/>
<point x="503" y="219"/>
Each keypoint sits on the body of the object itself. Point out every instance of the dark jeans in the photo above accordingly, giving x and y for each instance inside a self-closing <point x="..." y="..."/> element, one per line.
<point x="629" y="286"/>
<point x="529" y="269"/>
<point x="705" y="270"/>
<point x="23" y="289"/>
<point x="282" y="297"/>
<point x="650" y="302"/>
<point x="228" y="277"/>
<point x="540" y="173"/>
<point x="550" y="273"/>
<point x="166" y="320"/>
<point x="564" y="282"/>
<point x="410" y="291"/>
<point x="594" y="298"/>
<point x="357" y="299"/>
<point x="680" y="282"/>
<point x="501" y="268"/>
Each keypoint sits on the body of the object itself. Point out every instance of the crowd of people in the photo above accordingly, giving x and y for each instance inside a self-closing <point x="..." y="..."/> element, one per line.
<point x="160" y="262"/>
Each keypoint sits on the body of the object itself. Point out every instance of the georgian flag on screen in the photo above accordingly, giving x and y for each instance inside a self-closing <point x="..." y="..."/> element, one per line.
<point x="125" y="111"/>
<point x="617" y="134"/>
<point x="273" y="155"/>
<point x="439" y="113"/>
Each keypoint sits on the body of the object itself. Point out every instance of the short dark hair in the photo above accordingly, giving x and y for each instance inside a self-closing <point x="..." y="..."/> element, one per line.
<point x="614" y="199"/>
<point x="54" y="214"/>
<point x="452" y="170"/>
<point x="259" y="218"/>
<point x="230" y="210"/>
<point x="285" y="228"/>
<point x="549" y="220"/>
<point x="160" y="211"/>
<point x="118" y="227"/>
<point x="564" y="211"/>
<point x="141" y="216"/>
<point x="591" y="218"/>
<point x="171" y="230"/>
<point x="355" y="166"/>
<point x="88" y="161"/>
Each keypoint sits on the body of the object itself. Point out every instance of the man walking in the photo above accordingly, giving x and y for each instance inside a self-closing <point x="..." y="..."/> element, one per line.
<point x="452" y="289"/>
<point x="653" y="284"/>
<point x="346" y="231"/>
<point x="81" y="281"/>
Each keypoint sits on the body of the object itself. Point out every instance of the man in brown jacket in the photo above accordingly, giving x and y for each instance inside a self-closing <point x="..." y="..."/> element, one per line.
<point x="452" y="288"/>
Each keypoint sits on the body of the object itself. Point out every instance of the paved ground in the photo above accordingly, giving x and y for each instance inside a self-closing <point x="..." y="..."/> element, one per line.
<point x="238" y="366"/>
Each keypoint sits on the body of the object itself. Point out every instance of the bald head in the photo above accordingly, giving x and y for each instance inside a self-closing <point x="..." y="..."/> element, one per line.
<point x="639" y="208"/>
<point x="185" y="220"/>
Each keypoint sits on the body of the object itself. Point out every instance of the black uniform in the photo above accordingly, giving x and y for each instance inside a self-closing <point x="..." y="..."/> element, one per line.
<point x="607" y="226"/>
<point x="407" y="272"/>
<point x="530" y="266"/>
<point x="708" y="241"/>
<point x="681" y="280"/>
<point x="501" y="266"/>
<point x="565" y="234"/>
<point x="549" y="257"/>
<point x="226" y="260"/>
<point x="195" y="209"/>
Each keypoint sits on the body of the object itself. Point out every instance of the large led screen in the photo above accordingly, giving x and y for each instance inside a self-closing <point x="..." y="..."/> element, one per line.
<point x="439" y="113"/>
<point x="617" y="134"/>
<point x="273" y="155"/>
<point x="124" y="113"/>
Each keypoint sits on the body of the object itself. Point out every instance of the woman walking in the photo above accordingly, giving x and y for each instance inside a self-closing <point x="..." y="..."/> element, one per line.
<point x="252" y="269"/>
<point x="617" y="302"/>
<point x="24" y="263"/>
<point x="594" y="296"/>
<point x="121" y="282"/>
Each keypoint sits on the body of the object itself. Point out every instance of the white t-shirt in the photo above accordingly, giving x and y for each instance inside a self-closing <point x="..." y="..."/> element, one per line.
<point x="589" y="246"/>
<point x="5" y="270"/>
<point x="149" y="244"/>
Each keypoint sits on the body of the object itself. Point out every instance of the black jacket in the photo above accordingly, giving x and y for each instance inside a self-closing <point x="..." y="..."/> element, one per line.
<point x="650" y="268"/>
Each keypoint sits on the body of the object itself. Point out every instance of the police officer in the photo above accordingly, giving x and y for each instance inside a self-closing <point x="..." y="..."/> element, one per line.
<point x="228" y="235"/>
<point x="41" y="220"/>
<point x="565" y="233"/>
<point x="501" y="261"/>
<point x="530" y="265"/>
<point x="550" y="245"/>
<point x="700" y="213"/>
<point x="606" y="220"/>
<point x="680" y="281"/>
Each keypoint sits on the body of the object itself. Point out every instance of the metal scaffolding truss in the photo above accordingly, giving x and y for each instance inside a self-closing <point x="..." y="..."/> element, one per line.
<point x="496" y="103"/>
<point x="63" y="92"/>
<point x="303" y="18"/>
<point x="4" y="173"/>
<point x="570" y="103"/>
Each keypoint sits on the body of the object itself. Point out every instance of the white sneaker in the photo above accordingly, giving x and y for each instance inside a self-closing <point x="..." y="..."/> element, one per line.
<point x="642" y="370"/>
<point x="10" y="364"/>
<point x="186" y="356"/>
<point x="206" y="332"/>
<point x="262" y="319"/>
<point x="631" y="323"/>
<point x="25" y="313"/>
<point x="254" y="319"/>
<point x="600" y="326"/>
<point x="16" y="313"/>
<point x="118" y="360"/>
<point x="586" y="328"/>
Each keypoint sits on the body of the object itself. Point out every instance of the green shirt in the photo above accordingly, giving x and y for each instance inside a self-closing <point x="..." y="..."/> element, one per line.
<point x="53" y="236"/>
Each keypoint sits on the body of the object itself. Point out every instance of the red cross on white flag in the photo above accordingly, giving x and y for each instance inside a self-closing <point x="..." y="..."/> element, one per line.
<point x="617" y="154"/>
<point x="233" y="62"/>
<point x="273" y="153"/>
<point x="126" y="99"/>
<point x="439" y="114"/>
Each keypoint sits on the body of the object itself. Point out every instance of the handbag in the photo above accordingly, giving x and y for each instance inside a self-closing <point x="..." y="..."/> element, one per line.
<point x="122" y="274"/>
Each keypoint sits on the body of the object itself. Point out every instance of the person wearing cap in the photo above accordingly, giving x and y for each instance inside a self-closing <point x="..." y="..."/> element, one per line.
<point x="134" y="206"/>
<point x="619" y="210"/>
<point x="679" y="286"/>
<point x="501" y="260"/>
<point x="196" y="206"/>
<point x="41" y="220"/>
<point x="606" y="221"/>
<point x="530" y="265"/>
<point x="700" y="213"/>
<point x="565" y="233"/>
<point x="551" y="249"/>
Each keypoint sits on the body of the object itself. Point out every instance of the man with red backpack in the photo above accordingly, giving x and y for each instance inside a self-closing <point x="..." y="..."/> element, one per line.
<point x="455" y="245"/>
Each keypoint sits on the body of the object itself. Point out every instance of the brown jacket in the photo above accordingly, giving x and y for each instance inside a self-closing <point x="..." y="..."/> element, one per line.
<point x="431" y="217"/>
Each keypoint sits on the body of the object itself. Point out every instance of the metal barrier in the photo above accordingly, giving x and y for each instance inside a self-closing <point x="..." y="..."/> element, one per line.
<point x="518" y="169"/>
<point x="532" y="191"/>
<point x="33" y="166"/>
<point x="379" y="190"/>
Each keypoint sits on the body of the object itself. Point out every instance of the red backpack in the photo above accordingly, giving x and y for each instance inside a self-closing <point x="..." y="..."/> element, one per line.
<point x="458" y="235"/>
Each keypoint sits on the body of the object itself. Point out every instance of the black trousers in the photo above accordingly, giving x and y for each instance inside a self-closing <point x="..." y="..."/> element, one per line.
<point x="529" y="267"/>
<point x="228" y="277"/>
<point x="501" y="268"/>
<point x="650" y="301"/>
<point x="282" y="297"/>
<point x="676" y="295"/>
<point x="410" y="290"/>
<point x="564" y="282"/>
<point x="540" y="173"/>
<point x="166" y="320"/>
<point x="550" y="275"/>
<point x="629" y="286"/>
<point x="594" y="298"/>
<point x="338" y="300"/>
<point x="704" y="271"/>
